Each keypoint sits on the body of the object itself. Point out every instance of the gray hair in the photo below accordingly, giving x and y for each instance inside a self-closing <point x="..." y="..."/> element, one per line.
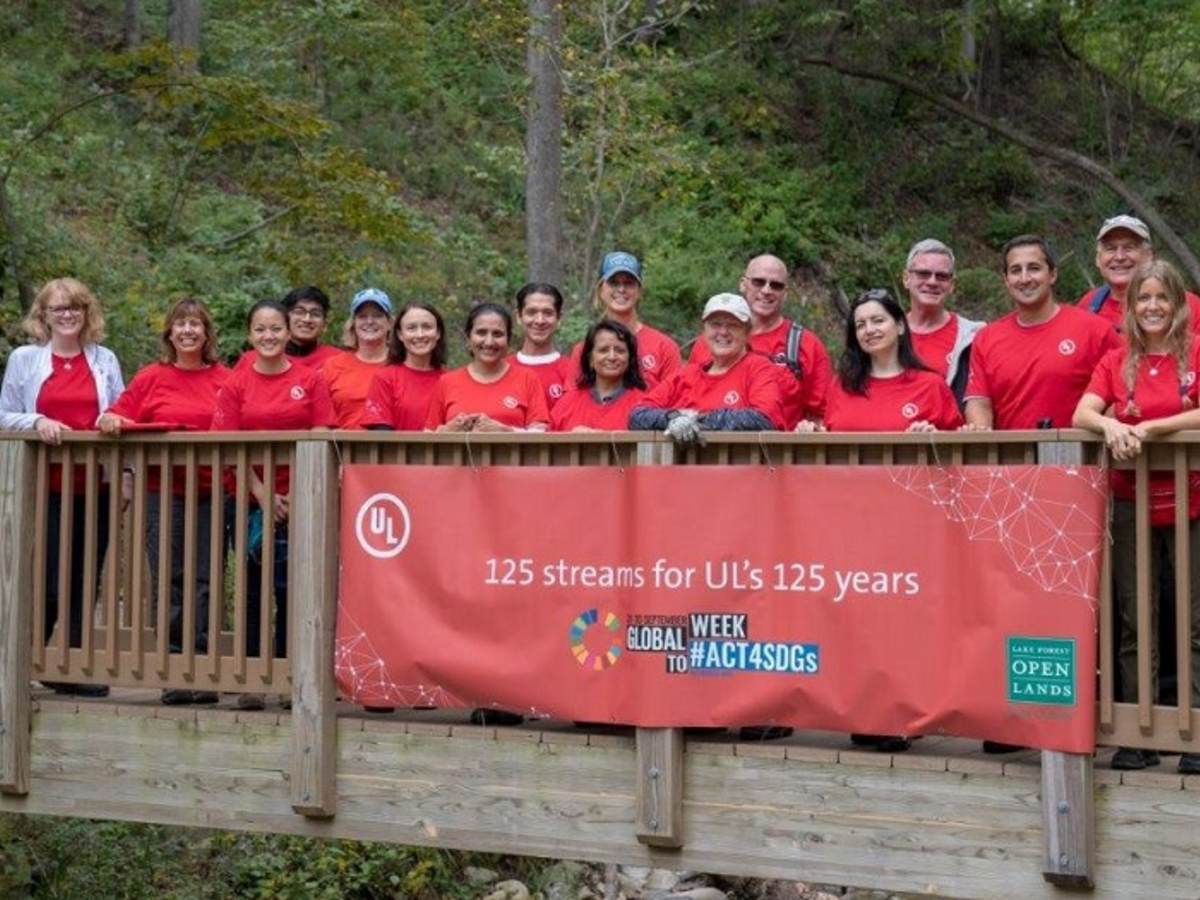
<point x="929" y="245"/>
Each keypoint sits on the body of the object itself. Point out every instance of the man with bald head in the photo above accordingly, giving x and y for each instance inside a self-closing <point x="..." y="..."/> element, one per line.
<point x="803" y="363"/>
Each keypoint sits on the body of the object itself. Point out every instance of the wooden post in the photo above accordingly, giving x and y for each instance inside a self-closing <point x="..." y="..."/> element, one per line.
<point x="17" y="500"/>
<point x="1068" y="798"/>
<point x="313" y="550"/>
<point x="659" y="750"/>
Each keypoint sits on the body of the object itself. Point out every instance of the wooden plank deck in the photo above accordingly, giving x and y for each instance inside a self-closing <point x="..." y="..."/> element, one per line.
<point x="943" y="818"/>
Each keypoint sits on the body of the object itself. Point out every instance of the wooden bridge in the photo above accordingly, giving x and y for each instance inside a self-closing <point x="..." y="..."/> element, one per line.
<point x="942" y="818"/>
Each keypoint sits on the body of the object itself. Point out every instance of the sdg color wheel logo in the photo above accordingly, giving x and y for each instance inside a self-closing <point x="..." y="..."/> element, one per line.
<point x="594" y="642"/>
<point x="383" y="526"/>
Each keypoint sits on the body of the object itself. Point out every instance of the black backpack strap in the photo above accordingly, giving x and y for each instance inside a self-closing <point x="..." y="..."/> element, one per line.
<point x="792" y="353"/>
<point x="1099" y="297"/>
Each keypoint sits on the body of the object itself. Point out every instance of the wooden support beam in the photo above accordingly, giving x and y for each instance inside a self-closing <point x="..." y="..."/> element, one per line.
<point x="1068" y="819"/>
<point x="660" y="787"/>
<point x="17" y="499"/>
<point x="312" y="594"/>
<point x="1068" y="797"/>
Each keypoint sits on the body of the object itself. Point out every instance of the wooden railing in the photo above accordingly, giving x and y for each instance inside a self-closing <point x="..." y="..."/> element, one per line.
<point x="125" y="636"/>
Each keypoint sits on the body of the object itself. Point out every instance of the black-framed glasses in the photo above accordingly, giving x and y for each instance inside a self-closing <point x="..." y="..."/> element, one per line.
<point x="761" y="283"/>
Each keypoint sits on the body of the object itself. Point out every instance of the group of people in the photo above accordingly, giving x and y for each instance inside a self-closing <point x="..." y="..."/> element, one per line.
<point x="1121" y="361"/>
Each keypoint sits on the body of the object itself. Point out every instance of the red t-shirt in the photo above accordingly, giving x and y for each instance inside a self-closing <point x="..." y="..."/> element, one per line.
<point x="1034" y="372"/>
<point x="183" y="398"/>
<point x="553" y="370"/>
<point x="752" y="383"/>
<point x="69" y="396"/>
<point x="580" y="407"/>
<point x="517" y="399"/>
<point x="801" y="399"/>
<point x="658" y="357"/>
<point x="893" y="404"/>
<point x="934" y="348"/>
<point x="349" y="381"/>
<point x="320" y="355"/>
<point x="1157" y="392"/>
<point x="295" y="400"/>
<point x="1114" y="312"/>
<point x="399" y="397"/>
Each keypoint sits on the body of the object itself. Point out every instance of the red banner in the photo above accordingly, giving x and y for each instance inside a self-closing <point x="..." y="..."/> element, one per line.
<point x="887" y="600"/>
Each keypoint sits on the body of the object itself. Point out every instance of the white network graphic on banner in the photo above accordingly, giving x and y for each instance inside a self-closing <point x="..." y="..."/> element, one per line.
<point x="359" y="665"/>
<point x="1049" y="541"/>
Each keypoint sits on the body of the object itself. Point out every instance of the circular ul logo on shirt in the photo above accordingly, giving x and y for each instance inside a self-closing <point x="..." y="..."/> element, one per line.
<point x="1066" y="347"/>
<point x="909" y="410"/>
<point x="556" y="391"/>
<point x="1189" y="379"/>
<point x="510" y="401"/>
<point x="297" y="392"/>
<point x="732" y="398"/>
<point x="648" y="361"/>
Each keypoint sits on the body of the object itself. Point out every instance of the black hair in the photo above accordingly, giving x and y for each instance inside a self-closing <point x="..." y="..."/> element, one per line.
<point x="484" y="307"/>
<point x="1028" y="240"/>
<point x="308" y="292"/>
<point x="268" y="303"/>
<point x="540" y="287"/>
<point x="633" y="372"/>
<point x="854" y="367"/>
<point x="396" y="350"/>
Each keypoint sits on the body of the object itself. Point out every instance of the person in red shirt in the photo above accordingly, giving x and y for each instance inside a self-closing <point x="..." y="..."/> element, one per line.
<point x="736" y="391"/>
<point x="349" y="375"/>
<point x="616" y="296"/>
<point x="489" y="394"/>
<point x="308" y="314"/>
<point x="539" y="310"/>
<point x="1150" y="385"/>
<point x="178" y="392"/>
<point x="942" y="339"/>
<point x="60" y="383"/>
<point x="401" y="392"/>
<point x="271" y="394"/>
<point x="1122" y="247"/>
<point x="1030" y="367"/>
<point x="804" y="369"/>
<point x="610" y="386"/>
<point x="881" y="384"/>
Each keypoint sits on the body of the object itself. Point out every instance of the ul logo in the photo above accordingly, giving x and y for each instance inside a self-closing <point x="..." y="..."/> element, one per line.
<point x="1067" y="347"/>
<point x="383" y="526"/>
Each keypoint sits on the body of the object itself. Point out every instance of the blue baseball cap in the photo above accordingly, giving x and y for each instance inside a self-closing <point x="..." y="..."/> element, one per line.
<point x="371" y="295"/>
<point x="620" y="261"/>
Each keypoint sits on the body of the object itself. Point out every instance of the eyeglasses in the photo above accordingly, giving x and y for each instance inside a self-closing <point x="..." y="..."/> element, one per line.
<point x="761" y="283"/>
<point x="63" y="312"/>
<point x="926" y="274"/>
<point x="301" y="312"/>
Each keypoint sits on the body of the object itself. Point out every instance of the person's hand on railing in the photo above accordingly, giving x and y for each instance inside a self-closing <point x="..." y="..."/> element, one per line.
<point x="974" y="426"/>
<point x="487" y="425"/>
<point x="1123" y="441"/>
<point x="922" y="426"/>
<point x="461" y="422"/>
<point x="50" y="430"/>
<point x="684" y="427"/>
<point x="808" y="426"/>
<point x="110" y="424"/>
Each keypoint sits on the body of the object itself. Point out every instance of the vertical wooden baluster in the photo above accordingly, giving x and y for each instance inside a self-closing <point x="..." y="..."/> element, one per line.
<point x="190" y="511"/>
<point x="239" y="563"/>
<point x="1106" y="633"/>
<point x="1183" y="598"/>
<point x="39" y="559"/>
<point x="137" y="598"/>
<point x="1144" y="637"/>
<point x="66" y="526"/>
<point x="163" y="594"/>
<point x="91" y="502"/>
<point x="216" y="567"/>
<point x="266" y="635"/>
<point x="112" y="570"/>
<point x="956" y="455"/>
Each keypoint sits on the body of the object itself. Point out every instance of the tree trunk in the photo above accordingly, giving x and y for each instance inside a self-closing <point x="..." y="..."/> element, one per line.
<point x="15" y="241"/>
<point x="133" y="24"/>
<point x="183" y="29"/>
<point x="1138" y="204"/>
<point x="543" y="144"/>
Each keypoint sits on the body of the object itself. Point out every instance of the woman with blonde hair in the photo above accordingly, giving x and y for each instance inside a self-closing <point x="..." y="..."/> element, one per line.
<point x="61" y="382"/>
<point x="1150" y="387"/>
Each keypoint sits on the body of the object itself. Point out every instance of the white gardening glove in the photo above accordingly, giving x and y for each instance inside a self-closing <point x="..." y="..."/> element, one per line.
<point x="684" y="427"/>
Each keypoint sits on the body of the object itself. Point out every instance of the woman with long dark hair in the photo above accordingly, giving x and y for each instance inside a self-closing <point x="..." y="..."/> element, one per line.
<point x="610" y="384"/>
<point x="400" y="394"/>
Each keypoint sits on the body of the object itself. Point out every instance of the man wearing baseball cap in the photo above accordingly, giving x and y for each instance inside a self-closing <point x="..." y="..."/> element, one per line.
<point x="1122" y="246"/>
<point x="798" y="354"/>
<point x="734" y="391"/>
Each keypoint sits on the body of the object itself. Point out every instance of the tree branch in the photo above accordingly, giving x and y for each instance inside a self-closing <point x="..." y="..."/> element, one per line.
<point x="1136" y="201"/>
<point x="246" y="232"/>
